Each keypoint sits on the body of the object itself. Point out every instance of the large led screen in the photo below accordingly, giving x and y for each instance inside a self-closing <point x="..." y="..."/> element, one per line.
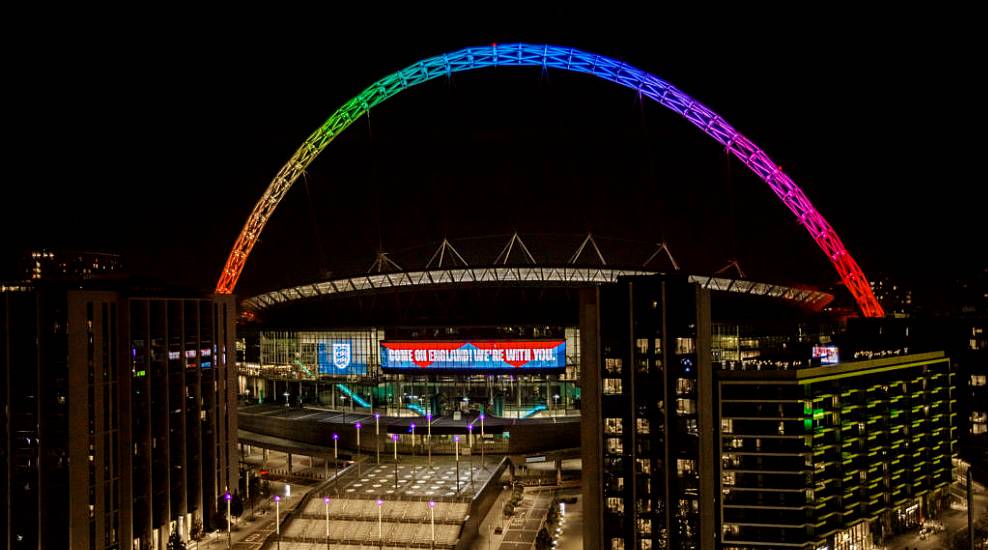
<point x="474" y="356"/>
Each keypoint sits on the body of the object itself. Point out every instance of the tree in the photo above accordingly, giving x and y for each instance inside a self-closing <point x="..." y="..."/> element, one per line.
<point x="175" y="542"/>
<point x="237" y="505"/>
<point x="543" y="541"/>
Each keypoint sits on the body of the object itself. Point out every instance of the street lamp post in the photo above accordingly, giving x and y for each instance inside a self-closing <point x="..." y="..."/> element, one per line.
<point x="343" y="398"/>
<point x="432" y="520"/>
<point x="555" y="398"/>
<point x="456" y="440"/>
<point x="377" y="435"/>
<point x="394" y="438"/>
<point x="336" y="463"/>
<point x="325" y="501"/>
<point x="277" y="518"/>
<point x="380" y="527"/>
<point x="411" y="428"/>
<point x="228" y="497"/>
<point x="470" y="429"/>
<point x="358" y="425"/>
<point x="483" y="442"/>
<point x="428" y="441"/>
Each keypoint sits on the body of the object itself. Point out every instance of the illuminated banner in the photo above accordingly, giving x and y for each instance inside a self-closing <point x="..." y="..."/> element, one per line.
<point x="336" y="358"/>
<point x="491" y="356"/>
<point x="826" y="354"/>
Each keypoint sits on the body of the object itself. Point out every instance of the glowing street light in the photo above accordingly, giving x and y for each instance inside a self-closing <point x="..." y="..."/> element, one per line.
<point x="380" y="528"/>
<point x="456" y="440"/>
<point x="228" y="497"/>
<point x="428" y="423"/>
<point x="470" y="429"/>
<point x="394" y="438"/>
<point x="277" y="518"/>
<point x="555" y="398"/>
<point x="432" y="520"/>
<point x="336" y="461"/>
<point x="483" y="442"/>
<point x="377" y="435"/>
<point x="325" y="501"/>
<point x="411" y="429"/>
<point x="358" y="425"/>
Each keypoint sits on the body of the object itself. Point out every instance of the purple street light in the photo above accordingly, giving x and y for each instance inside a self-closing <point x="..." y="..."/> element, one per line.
<point x="228" y="497"/>
<point x="336" y="460"/>
<point x="428" y="440"/>
<point x="483" y="442"/>
<point x="377" y="436"/>
<point x="456" y="440"/>
<point x="380" y="530"/>
<point x="432" y="520"/>
<point x="325" y="500"/>
<point x="277" y="517"/>
<point x="394" y="437"/>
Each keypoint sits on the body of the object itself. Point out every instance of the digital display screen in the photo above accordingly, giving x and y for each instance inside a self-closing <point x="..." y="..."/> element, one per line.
<point x="827" y="354"/>
<point x="473" y="356"/>
<point x="337" y="358"/>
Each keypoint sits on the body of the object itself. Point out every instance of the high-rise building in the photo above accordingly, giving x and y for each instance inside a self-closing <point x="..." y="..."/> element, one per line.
<point x="696" y="438"/>
<point x="50" y="265"/>
<point x="648" y="427"/>
<point x="120" y="415"/>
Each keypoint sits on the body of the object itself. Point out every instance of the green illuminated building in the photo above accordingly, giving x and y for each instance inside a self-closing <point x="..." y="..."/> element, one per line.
<point x="834" y="457"/>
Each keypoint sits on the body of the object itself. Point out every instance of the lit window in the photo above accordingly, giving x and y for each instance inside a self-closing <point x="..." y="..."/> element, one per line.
<point x="615" y="505"/>
<point x="727" y="425"/>
<point x="642" y="345"/>
<point x="613" y="366"/>
<point x="615" y="445"/>
<point x="978" y="379"/>
<point x="686" y="406"/>
<point x="685" y="466"/>
<point x="612" y="386"/>
<point x="642" y="426"/>
<point x="612" y="425"/>
<point x="617" y="544"/>
<point x="685" y="345"/>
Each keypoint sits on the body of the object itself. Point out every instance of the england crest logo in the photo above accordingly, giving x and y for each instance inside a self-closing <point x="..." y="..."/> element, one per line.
<point x="341" y="355"/>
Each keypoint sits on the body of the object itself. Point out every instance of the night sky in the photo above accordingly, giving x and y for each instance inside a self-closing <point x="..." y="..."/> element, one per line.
<point x="156" y="142"/>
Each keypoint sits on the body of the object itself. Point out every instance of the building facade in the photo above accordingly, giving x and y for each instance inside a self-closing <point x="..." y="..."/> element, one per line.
<point x="838" y="456"/>
<point x="647" y="432"/>
<point x="695" y="438"/>
<point x="120" y="415"/>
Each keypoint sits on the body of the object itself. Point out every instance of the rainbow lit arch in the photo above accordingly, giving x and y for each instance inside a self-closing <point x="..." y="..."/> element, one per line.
<point x="555" y="57"/>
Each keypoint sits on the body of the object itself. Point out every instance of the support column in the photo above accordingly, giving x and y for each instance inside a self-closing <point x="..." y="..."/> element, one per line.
<point x="559" y="471"/>
<point x="289" y="463"/>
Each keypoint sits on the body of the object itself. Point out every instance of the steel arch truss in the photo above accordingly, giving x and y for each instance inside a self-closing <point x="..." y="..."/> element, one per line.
<point x="569" y="59"/>
<point x="518" y="275"/>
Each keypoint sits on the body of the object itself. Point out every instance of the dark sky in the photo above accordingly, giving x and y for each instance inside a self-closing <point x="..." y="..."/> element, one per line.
<point x="154" y="139"/>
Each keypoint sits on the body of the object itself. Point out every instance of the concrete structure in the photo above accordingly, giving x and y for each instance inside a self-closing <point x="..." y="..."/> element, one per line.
<point x="119" y="415"/>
